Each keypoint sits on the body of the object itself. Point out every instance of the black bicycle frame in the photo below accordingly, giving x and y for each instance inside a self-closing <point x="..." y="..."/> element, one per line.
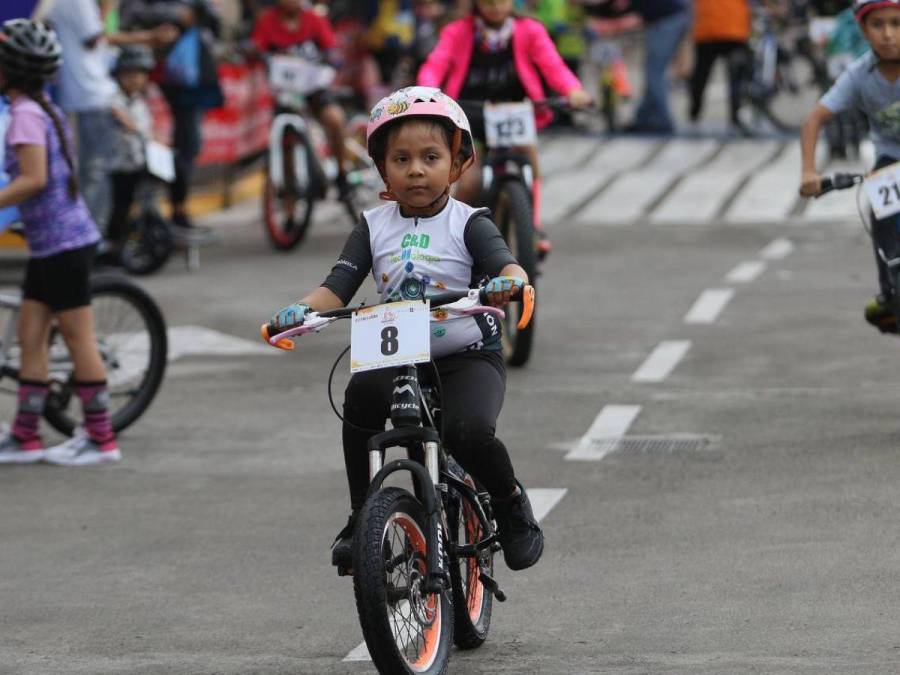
<point x="428" y="478"/>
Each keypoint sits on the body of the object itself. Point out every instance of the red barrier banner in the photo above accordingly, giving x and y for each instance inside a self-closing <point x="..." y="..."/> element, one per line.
<point x="239" y="128"/>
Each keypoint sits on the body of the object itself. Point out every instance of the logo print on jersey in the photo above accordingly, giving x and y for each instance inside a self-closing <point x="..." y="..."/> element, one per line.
<point x="415" y="241"/>
<point x="889" y="119"/>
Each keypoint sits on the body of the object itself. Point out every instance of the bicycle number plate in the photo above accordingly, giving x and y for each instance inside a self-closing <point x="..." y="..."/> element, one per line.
<point x="160" y="161"/>
<point x="883" y="190"/>
<point x="395" y="334"/>
<point x="298" y="76"/>
<point x="509" y="124"/>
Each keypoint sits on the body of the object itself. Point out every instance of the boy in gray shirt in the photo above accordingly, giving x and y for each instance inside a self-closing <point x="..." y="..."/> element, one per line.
<point x="870" y="85"/>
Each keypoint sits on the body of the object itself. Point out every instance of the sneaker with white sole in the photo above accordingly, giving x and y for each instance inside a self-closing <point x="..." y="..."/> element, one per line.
<point x="82" y="450"/>
<point x="14" y="451"/>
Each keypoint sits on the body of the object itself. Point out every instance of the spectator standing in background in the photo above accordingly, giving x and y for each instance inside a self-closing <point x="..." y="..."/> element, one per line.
<point x="85" y="88"/>
<point x="188" y="102"/>
<point x="666" y="22"/>
<point x="721" y="29"/>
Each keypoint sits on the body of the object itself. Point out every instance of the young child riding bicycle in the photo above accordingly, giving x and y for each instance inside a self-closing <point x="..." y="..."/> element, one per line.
<point x="494" y="55"/>
<point x="424" y="243"/>
<point x="872" y="86"/>
<point x="62" y="239"/>
<point x="289" y="27"/>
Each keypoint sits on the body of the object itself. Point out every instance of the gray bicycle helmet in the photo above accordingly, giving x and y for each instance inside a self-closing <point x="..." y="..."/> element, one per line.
<point x="863" y="7"/>
<point x="134" y="57"/>
<point x="29" y="51"/>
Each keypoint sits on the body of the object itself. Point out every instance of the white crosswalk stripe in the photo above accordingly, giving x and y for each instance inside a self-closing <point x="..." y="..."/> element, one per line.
<point x="591" y="181"/>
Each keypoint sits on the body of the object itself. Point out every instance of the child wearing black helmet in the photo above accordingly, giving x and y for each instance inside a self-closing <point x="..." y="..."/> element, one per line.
<point x="133" y="126"/>
<point x="62" y="239"/>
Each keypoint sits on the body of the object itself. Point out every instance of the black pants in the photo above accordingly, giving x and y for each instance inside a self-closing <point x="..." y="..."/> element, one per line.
<point x="739" y="60"/>
<point x="186" y="141"/>
<point x="124" y="186"/>
<point x="473" y="385"/>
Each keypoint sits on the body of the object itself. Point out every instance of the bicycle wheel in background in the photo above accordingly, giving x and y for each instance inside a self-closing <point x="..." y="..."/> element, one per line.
<point x="149" y="245"/>
<point x="287" y="212"/>
<point x="513" y="216"/>
<point x="361" y="171"/>
<point x="131" y="336"/>
<point x="472" y="602"/>
<point x="407" y="630"/>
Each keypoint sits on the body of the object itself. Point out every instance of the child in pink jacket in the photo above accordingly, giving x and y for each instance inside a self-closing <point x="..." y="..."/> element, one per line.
<point x="494" y="55"/>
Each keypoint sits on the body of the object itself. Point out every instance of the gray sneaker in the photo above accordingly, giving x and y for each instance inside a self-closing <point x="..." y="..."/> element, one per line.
<point x="13" y="452"/>
<point x="81" y="450"/>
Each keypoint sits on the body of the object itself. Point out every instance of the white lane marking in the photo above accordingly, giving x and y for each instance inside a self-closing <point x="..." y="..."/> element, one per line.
<point x="361" y="653"/>
<point x="709" y="305"/>
<point x="543" y="501"/>
<point x="662" y="361"/>
<point x="611" y="424"/>
<point x="778" y="249"/>
<point x="131" y="349"/>
<point x="201" y="341"/>
<point x="746" y="272"/>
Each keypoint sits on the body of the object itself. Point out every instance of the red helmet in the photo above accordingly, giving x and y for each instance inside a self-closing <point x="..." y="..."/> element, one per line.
<point x="863" y="7"/>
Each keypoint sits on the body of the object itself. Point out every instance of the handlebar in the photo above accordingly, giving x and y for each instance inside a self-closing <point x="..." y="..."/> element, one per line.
<point x="839" y="181"/>
<point x="316" y="321"/>
<point x="557" y="103"/>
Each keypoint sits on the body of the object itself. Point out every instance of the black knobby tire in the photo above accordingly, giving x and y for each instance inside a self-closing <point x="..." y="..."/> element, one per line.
<point x="513" y="215"/>
<point x="149" y="244"/>
<point x="405" y="631"/>
<point x="472" y="602"/>
<point x="131" y="335"/>
<point x="286" y="230"/>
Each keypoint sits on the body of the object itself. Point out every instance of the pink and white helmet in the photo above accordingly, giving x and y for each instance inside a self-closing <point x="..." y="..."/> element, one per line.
<point x="417" y="102"/>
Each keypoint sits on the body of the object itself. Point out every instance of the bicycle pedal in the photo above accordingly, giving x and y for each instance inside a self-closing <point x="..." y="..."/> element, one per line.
<point x="491" y="584"/>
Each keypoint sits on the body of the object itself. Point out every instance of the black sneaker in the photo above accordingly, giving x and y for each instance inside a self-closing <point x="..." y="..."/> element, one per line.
<point x="880" y="313"/>
<point x="520" y="535"/>
<point x="181" y="220"/>
<point x="342" y="548"/>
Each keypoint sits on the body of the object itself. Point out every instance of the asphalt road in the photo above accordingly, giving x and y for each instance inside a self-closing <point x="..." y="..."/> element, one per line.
<point x="770" y="547"/>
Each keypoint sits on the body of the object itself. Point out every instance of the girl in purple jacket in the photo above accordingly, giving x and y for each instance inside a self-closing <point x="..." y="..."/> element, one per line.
<point x="494" y="55"/>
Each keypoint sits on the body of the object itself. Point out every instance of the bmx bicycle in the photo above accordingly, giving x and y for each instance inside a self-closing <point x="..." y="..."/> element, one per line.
<point x="131" y="337"/>
<point x="511" y="192"/>
<point x="299" y="165"/>
<point x="423" y="561"/>
<point x="884" y="196"/>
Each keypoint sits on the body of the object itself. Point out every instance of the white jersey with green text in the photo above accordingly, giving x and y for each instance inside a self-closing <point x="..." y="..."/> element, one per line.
<point x="417" y="257"/>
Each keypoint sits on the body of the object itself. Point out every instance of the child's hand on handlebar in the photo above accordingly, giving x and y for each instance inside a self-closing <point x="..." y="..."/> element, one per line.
<point x="289" y="317"/>
<point x="500" y="290"/>
<point x="579" y="98"/>
<point x="810" y="184"/>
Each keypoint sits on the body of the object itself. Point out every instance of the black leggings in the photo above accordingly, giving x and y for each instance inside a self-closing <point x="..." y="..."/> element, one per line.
<point x="124" y="186"/>
<point x="473" y="385"/>
<point x="739" y="60"/>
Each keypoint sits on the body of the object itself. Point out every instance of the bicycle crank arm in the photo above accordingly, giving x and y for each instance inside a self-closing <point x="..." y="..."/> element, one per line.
<point x="491" y="584"/>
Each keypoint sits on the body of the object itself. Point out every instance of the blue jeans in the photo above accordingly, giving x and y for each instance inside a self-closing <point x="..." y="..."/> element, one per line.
<point x="661" y="40"/>
<point x="94" y="150"/>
